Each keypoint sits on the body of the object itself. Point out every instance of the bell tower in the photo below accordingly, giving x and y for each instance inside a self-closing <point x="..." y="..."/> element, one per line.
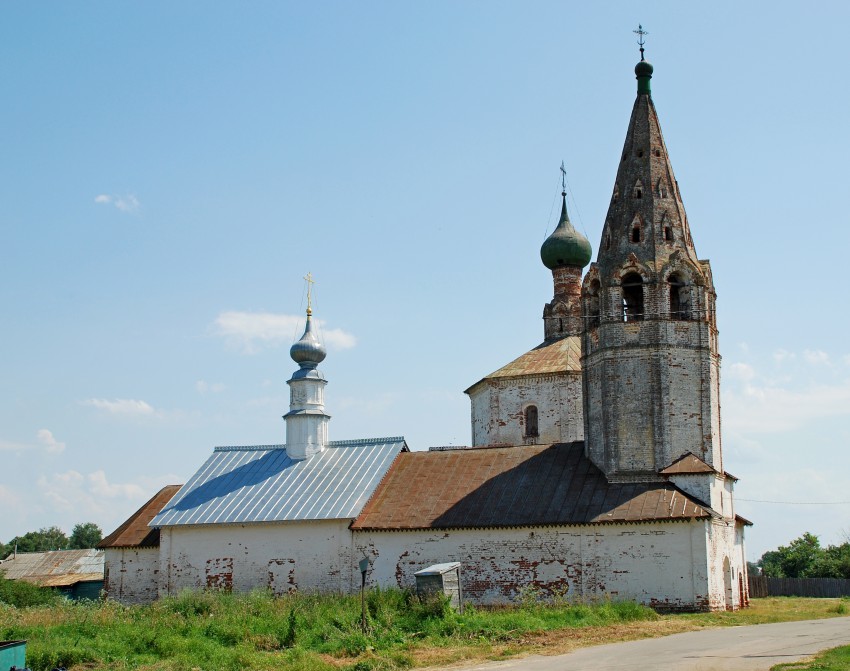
<point x="649" y="342"/>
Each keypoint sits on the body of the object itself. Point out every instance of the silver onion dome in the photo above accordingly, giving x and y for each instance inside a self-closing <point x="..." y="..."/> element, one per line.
<point x="308" y="352"/>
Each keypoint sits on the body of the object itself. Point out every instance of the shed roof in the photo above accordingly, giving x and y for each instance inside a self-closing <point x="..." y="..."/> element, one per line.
<point x="135" y="532"/>
<point x="262" y="484"/>
<point x="514" y="486"/>
<point x="558" y="356"/>
<point x="57" y="568"/>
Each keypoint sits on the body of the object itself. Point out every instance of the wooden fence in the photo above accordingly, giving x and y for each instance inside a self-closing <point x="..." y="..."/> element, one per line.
<point x="761" y="586"/>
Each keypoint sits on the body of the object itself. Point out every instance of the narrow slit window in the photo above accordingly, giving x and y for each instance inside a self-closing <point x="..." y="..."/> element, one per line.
<point x="531" y="430"/>
<point x="668" y="234"/>
<point x="632" y="286"/>
<point x="594" y="313"/>
<point x="636" y="234"/>
<point x="679" y="305"/>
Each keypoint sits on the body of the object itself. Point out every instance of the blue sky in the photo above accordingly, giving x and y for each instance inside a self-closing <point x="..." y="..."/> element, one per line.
<point x="173" y="170"/>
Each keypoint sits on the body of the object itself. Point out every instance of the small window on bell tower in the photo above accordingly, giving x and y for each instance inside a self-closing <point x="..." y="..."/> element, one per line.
<point x="531" y="430"/>
<point x="632" y="286"/>
<point x="636" y="234"/>
<point x="668" y="234"/>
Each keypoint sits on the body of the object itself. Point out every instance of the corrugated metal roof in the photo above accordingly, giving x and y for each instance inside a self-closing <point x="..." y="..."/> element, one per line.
<point x="135" y="532"/>
<point x="55" y="569"/>
<point x="559" y="356"/>
<point x="514" y="486"/>
<point x="262" y="484"/>
<point x="688" y="464"/>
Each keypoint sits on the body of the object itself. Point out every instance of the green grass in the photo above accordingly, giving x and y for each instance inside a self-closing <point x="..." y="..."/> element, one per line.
<point x="837" y="659"/>
<point x="255" y="632"/>
<point x="224" y="632"/>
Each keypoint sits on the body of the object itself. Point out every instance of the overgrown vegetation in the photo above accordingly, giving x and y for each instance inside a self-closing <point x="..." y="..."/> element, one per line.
<point x="22" y="594"/>
<point x="216" y="631"/>
<point x="225" y="632"/>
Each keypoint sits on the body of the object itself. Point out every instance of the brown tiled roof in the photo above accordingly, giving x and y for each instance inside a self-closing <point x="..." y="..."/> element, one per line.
<point x="559" y="356"/>
<point x="688" y="464"/>
<point x="513" y="486"/>
<point x="135" y="532"/>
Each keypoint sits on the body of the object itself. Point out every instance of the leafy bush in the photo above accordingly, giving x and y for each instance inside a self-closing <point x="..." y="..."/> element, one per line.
<point x="24" y="594"/>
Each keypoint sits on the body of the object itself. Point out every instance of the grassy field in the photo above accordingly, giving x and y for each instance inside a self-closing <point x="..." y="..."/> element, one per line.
<point x="222" y="632"/>
<point x="837" y="659"/>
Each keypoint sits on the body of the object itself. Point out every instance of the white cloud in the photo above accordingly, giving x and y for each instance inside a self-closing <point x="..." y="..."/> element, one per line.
<point x="11" y="446"/>
<point x="251" y="331"/>
<point x="770" y="408"/>
<point x="815" y="357"/>
<point x="52" y="445"/>
<point x="92" y="496"/>
<point x="121" y="406"/>
<point x="44" y="440"/>
<point x="782" y="355"/>
<point x="741" y="371"/>
<point x="127" y="203"/>
<point x="203" y="387"/>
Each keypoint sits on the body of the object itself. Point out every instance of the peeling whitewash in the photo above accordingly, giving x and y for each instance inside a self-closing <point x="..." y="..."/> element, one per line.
<point x="671" y="565"/>
<point x="131" y="575"/>
<point x="663" y="564"/>
<point x="283" y="557"/>
<point x="498" y="407"/>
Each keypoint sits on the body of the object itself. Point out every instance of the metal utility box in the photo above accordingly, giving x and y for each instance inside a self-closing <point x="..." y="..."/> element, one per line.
<point x="441" y="578"/>
<point x="13" y="653"/>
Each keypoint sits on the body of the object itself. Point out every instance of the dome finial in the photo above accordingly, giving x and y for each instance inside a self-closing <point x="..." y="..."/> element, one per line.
<point x="310" y="282"/>
<point x="640" y="32"/>
<point x="565" y="246"/>
<point x="643" y="70"/>
<point x="308" y="352"/>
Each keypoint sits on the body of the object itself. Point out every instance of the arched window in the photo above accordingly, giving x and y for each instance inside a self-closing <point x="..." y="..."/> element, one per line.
<point x="632" y="286"/>
<point x="531" y="422"/>
<point x="593" y="304"/>
<point x="637" y="192"/>
<point x="679" y="308"/>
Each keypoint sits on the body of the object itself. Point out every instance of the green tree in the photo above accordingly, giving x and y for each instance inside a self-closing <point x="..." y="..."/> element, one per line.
<point x="46" y="538"/>
<point x="85" y="536"/>
<point x="798" y="560"/>
<point x="834" y="562"/>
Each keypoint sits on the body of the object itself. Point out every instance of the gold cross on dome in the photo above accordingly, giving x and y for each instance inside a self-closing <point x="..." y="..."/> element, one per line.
<point x="310" y="282"/>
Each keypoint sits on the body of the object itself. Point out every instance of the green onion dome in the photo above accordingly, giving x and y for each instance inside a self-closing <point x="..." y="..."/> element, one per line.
<point x="566" y="246"/>
<point x="643" y="69"/>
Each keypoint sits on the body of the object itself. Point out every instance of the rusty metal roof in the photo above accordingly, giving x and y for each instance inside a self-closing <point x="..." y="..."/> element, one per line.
<point x="58" y="568"/>
<point x="514" y="486"/>
<point x="559" y="356"/>
<point x="688" y="464"/>
<point x="262" y="484"/>
<point x="135" y="532"/>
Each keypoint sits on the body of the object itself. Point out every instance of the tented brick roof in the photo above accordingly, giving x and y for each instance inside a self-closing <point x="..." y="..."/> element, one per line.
<point x="514" y="486"/>
<point x="559" y="356"/>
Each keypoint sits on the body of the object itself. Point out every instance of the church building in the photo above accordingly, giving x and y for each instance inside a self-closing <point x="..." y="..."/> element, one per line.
<point x="595" y="469"/>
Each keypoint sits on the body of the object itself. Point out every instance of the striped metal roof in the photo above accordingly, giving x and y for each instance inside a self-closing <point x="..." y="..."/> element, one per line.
<point x="57" y="568"/>
<point x="262" y="484"/>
